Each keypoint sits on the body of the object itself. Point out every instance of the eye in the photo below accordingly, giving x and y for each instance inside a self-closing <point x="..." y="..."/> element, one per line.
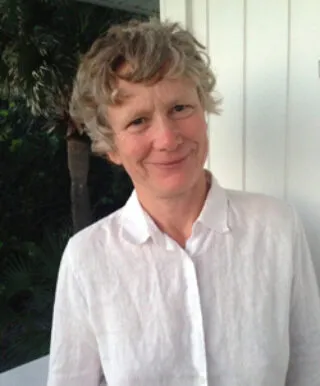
<point x="181" y="111"/>
<point x="137" y="122"/>
<point x="138" y="125"/>
<point x="179" y="108"/>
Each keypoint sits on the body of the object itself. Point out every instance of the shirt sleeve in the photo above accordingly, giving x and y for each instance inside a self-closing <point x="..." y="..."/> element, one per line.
<point x="74" y="358"/>
<point x="304" y="365"/>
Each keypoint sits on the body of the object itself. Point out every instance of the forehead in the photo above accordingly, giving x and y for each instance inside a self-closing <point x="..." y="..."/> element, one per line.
<point x="165" y="90"/>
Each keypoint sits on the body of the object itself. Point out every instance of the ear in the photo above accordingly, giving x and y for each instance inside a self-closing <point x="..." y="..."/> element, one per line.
<point x="114" y="157"/>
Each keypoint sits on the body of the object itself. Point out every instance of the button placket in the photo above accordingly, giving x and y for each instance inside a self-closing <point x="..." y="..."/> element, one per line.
<point x="196" y="318"/>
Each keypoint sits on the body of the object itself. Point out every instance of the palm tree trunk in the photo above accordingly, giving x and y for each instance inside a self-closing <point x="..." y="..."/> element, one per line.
<point x="78" y="164"/>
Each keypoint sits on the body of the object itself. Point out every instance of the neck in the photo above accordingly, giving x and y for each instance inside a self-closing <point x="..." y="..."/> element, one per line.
<point x="176" y="215"/>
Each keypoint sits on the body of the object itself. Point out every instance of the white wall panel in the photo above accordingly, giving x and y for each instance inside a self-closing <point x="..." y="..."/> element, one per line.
<point x="303" y="150"/>
<point x="197" y="19"/>
<point x="174" y="10"/>
<point x="226" y="48"/>
<point x="266" y="95"/>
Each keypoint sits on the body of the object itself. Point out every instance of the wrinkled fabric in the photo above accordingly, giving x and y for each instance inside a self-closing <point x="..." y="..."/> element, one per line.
<point x="239" y="305"/>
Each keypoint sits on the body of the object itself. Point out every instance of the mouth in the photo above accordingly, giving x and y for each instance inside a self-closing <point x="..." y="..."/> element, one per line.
<point x="168" y="164"/>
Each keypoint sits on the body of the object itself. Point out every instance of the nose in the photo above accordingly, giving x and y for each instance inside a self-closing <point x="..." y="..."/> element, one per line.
<point x="166" y="134"/>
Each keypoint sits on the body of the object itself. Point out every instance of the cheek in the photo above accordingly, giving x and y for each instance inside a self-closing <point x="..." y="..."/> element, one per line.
<point x="134" y="148"/>
<point x="202" y="124"/>
<point x="197" y="128"/>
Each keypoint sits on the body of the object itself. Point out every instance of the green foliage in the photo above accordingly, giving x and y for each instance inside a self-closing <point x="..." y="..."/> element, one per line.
<point x="27" y="198"/>
<point x="35" y="224"/>
<point x="26" y="299"/>
<point x="41" y="43"/>
<point x="32" y="201"/>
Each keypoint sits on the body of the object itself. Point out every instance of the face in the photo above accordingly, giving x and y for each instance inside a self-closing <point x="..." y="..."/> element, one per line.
<point x="160" y="136"/>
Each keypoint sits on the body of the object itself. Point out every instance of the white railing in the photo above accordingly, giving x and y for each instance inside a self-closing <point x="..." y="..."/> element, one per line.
<point x="31" y="374"/>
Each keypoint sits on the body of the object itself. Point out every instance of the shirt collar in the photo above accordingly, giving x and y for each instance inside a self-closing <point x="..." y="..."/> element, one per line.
<point x="214" y="214"/>
<point x="137" y="227"/>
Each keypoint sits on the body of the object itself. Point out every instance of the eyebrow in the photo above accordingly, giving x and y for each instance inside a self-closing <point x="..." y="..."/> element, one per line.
<point x="135" y="114"/>
<point x="123" y="95"/>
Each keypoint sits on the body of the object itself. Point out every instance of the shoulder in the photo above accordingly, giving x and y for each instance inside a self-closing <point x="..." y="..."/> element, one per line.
<point x="91" y="244"/>
<point x="261" y="211"/>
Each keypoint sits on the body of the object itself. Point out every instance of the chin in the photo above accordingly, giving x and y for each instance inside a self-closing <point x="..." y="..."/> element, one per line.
<point x="171" y="187"/>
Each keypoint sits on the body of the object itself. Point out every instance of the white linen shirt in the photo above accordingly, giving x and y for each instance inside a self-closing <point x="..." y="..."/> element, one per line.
<point x="238" y="306"/>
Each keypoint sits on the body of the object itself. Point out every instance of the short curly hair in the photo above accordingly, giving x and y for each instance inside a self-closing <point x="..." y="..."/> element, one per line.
<point x="154" y="50"/>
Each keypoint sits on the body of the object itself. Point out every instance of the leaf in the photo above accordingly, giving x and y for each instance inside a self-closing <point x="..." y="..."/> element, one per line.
<point x="4" y="113"/>
<point x="15" y="144"/>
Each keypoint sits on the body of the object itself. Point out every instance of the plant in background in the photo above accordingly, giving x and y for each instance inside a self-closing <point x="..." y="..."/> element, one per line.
<point x="27" y="299"/>
<point x="31" y="201"/>
<point x="41" y="42"/>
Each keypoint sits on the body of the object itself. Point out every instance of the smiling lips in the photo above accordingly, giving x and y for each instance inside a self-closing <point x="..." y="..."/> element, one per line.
<point x="171" y="163"/>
